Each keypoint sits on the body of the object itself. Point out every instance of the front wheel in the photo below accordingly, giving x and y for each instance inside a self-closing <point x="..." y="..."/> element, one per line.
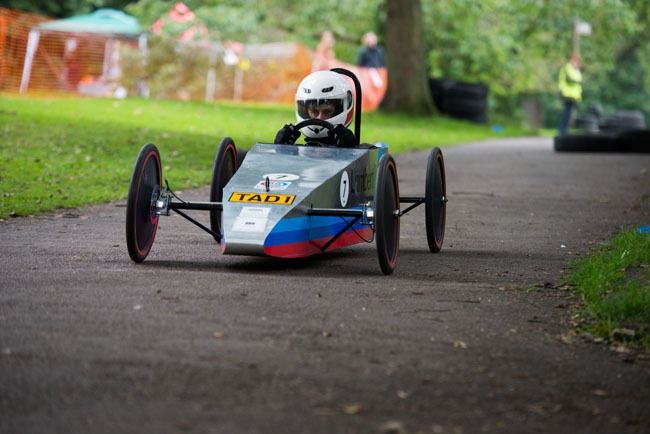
<point x="435" y="200"/>
<point x="386" y="214"/>
<point x="144" y="190"/>
<point x="224" y="167"/>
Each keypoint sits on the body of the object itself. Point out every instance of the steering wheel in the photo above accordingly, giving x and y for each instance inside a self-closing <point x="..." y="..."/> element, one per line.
<point x="317" y="122"/>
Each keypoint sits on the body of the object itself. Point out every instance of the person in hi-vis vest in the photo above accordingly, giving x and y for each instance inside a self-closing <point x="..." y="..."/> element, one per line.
<point x="570" y="86"/>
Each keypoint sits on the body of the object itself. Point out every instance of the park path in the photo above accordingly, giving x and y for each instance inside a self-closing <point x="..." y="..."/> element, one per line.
<point x="474" y="339"/>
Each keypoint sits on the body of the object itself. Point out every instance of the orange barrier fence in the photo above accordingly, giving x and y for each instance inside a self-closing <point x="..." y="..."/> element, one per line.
<point x="14" y="32"/>
<point x="62" y="61"/>
<point x="98" y="64"/>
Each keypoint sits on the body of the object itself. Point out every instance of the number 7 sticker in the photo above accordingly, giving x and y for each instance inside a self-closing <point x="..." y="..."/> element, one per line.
<point x="344" y="189"/>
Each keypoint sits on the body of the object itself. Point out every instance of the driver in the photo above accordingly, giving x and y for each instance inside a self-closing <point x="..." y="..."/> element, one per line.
<point x="324" y="95"/>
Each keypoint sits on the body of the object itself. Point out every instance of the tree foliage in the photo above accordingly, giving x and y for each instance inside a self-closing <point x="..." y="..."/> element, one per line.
<point x="515" y="47"/>
<point x="271" y="21"/>
<point x="63" y="8"/>
<point x="518" y="47"/>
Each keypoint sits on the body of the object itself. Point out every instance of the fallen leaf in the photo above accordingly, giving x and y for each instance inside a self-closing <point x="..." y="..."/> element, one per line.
<point x="620" y="349"/>
<point x="351" y="408"/>
<point x="623" y="332"/>
<point x="218" y="335"/>
<point x="567" y="339"/>
<point x="460" y="344"/>
<point x="393" y="427"/>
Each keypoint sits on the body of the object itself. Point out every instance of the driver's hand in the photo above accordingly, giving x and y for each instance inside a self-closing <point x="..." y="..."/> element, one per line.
<point x="343" y="137"/>
<point x="288" y="134"/>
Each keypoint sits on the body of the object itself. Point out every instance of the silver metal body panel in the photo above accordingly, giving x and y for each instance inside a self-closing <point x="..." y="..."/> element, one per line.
<point x="279" y="183"/>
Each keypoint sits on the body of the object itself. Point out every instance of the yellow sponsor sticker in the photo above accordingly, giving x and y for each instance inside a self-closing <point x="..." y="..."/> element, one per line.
<point x="263" y="198"/>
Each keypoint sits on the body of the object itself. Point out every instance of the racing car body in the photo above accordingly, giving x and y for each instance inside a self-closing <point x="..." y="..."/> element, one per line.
<point x="269" y="201"/>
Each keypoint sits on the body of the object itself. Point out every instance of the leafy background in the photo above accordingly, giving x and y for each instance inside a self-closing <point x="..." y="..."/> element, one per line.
<point x="515" y="47"/>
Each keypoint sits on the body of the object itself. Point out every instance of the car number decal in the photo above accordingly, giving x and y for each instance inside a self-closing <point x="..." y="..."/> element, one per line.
<point x="265" y="198"/>
<point x="344" y="189"/>
<point x="281" y="176"/>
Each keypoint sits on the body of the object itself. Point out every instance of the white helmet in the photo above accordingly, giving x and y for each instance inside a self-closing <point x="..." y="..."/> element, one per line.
<point x="324" y="87"/>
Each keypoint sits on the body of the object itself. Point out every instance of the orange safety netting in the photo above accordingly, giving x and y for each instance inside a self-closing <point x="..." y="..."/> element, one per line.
<point x="63" y="61"/>
<point x="14" y="31"/>
<point x="91" y="64"/>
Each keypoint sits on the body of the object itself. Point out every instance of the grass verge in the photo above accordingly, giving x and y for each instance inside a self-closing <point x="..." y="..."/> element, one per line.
<point x="614" y="284"/>
<point x="62" y="152"/>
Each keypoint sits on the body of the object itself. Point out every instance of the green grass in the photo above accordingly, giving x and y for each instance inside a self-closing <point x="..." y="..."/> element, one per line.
<point x="61" y="152"/>
<point x="614" y="284"/>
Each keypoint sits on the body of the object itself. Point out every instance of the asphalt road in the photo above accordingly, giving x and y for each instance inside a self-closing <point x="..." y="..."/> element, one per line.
<point x="473" y="339"/>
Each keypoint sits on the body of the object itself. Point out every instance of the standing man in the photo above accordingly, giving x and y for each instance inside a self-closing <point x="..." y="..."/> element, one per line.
<point x="371" y="54"/>
<point x="570" y="86"/>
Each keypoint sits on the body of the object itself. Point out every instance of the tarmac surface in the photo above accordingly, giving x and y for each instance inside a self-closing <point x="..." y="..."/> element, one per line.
<point x="474" y="339"/>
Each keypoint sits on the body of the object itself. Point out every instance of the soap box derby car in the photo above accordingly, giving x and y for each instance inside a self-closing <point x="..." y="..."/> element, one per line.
<point x="292" y="201"/>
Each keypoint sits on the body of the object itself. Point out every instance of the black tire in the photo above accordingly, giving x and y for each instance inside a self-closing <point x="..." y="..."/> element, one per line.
<point x="472" y="110"/>
<point x="630" y="119"/>
<point x="386" y="218"/>
<point x="461" y="100"/>
<point x="223" y="168"/>
<point x="438" y="88"/>
<point x="623" y="120"/>
<point x="608" y="124"/>
<point x="588" y="143"/>
<point x="637" y="141"/>
<point x="587" y="123"/>
<point x="466" y="101"/>
<point x="462" y="89"/>
<point x="144" y="190"/>
<point x="435" y="200"/>
<point x="465" y="106"/>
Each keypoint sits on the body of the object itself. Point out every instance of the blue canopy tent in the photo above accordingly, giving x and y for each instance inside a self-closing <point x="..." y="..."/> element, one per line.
<point x="110" y="23"/>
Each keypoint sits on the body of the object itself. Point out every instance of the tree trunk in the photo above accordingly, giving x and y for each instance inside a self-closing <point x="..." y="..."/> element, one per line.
<point x="408" y="86"/>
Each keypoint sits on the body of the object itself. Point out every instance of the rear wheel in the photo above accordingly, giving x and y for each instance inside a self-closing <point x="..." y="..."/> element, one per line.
<point x="224" y="167"/>
<point x="144" y="190"/>
<point x="386" y="214"/>
<point x="435" y="200"/>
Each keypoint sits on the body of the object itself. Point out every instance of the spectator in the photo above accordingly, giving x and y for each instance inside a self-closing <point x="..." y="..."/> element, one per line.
<point x="570" y="86"/>
<point x="371" y="54"/>
<point x="324" y="56"/>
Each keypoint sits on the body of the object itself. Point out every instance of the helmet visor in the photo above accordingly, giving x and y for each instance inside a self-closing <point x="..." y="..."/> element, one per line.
<point x="325" y="108"/>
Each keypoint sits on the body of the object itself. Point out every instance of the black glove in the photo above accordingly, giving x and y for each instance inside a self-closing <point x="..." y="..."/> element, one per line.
<point x="288" y="135"/>
<point x="342" y="137"/>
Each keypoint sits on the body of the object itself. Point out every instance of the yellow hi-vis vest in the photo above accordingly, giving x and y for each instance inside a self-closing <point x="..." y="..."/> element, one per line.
<point x="569" y="81"/>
